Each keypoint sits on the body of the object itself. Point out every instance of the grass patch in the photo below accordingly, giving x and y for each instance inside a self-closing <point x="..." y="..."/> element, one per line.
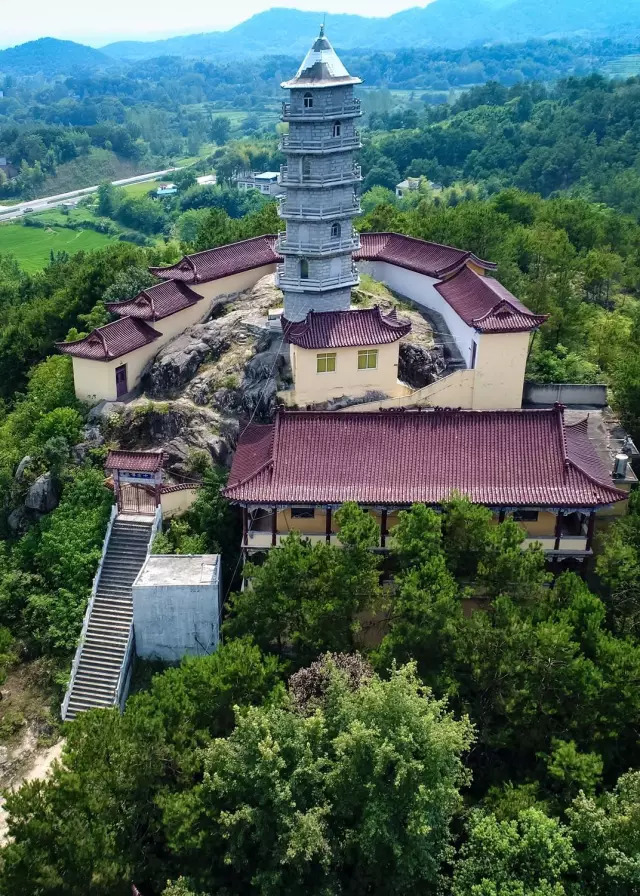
<point x="32" y="246"/>
<point x="136" y="191"/>
<point x="98" y="166"/>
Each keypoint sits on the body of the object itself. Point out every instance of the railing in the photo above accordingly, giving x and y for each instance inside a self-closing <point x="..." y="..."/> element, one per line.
<point x="124" y="677"/>
<point x="319" y="180"/>
<point x="290" y="143"/>
<point x="289" y="210"/>
<point x="87" y="615"/>
<point x="315" y="284"/>
<point x="350" y="242"/>
<point x="297" y="113"/>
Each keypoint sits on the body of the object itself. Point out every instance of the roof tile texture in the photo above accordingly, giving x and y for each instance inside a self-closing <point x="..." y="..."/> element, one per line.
<point x="340" y="329"/>
<point x="498" y="458"/>
<point x="111" y="341"/>
<point x="134" y="461"/>
<point x="421" y="256"/>
<point x="223" y="261"/>
<point x="484" y="303"/>
<point x="157" y="301"/>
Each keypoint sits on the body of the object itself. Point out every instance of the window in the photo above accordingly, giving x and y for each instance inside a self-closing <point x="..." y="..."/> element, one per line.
<point x="336" y="230"/>
<point x="308" y="101"/>
<point x="326" y="362"/>
<point x="337" y="128"/>
<point x="368" y="359"/>
<point x="526" y="516"/>
<point x="306" y="169"/>
<point x="304" y="269"/>
<point x="303" y="513"/>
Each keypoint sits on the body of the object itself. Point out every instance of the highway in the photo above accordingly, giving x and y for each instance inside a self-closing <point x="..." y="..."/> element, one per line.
<point x="9" y="212"/>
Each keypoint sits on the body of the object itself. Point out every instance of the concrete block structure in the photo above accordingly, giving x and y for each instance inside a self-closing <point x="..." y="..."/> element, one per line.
<point x="320" y="179"/>
<point x="176" y="606"/>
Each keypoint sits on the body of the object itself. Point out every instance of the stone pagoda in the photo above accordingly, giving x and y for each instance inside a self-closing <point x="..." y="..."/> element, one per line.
<point x="320" y="180"/>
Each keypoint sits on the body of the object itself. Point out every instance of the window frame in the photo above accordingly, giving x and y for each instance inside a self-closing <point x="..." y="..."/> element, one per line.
<point x="336" y="230"/>
<point x="327" y="358"/>
<point x="366" y="354"/>
<point x="336" y="130"/>
<point x="526" y="515"/>
<point x="307" y="100"/>
<point x="304" y="268"/>
<point x="303" y="513"/>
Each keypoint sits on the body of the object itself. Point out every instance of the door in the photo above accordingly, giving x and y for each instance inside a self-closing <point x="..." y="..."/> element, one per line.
<point x="121" y="380"/>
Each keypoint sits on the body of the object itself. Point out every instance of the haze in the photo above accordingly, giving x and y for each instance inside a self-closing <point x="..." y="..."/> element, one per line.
<point x="97" y="24"/>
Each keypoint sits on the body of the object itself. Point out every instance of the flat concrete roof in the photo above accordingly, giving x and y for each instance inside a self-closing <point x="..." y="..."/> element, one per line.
<point x="179" y="569"/>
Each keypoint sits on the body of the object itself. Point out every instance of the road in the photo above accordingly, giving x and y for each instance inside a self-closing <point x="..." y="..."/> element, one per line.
<point x="7" y="213"/>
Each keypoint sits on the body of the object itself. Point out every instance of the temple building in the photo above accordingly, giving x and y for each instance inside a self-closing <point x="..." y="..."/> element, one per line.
<point x="534" y="465"/>
<point x="320" y="179"/>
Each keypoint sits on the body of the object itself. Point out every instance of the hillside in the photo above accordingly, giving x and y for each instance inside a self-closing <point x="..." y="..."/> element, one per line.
<point x="443" y="23"/>
<point x="50" y="56"/>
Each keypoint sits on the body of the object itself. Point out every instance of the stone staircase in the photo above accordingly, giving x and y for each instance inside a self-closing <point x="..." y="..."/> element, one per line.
<point x="104" y="650"/>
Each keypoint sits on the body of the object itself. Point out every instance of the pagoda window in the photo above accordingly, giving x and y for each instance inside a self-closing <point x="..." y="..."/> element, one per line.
<point x="308" y="101"/>
<point x="304" y="268"/>
<point x="306" y="169"/>
<point x="337" y="128"/>
<point x="336" y="230"/>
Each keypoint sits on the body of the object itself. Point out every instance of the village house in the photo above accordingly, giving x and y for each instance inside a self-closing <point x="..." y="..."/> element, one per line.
<point x="266" y="182"/>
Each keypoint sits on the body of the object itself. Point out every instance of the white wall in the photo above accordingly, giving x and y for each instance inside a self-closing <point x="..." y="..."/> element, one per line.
<point x="420" y="289"/>
<point x="174" y="620"/>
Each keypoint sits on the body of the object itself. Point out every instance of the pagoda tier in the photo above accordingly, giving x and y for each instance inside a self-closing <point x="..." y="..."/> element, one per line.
<point x="321" y="179"/>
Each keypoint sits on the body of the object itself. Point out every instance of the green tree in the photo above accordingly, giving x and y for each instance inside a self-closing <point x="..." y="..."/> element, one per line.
<point x="306" y="597"/>
<point x="357" y="797"/>
<point x="531" y="855"/>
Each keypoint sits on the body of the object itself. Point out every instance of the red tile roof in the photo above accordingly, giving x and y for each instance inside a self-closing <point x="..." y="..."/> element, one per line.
<point x="135" y="461"/>
<point x="497" y="458"/>
<point x="338" y="329"/>
<point x="484" y="303"/>
<point x="212" y="264"/>
<point x="111" y="341"/>
<point x="157" y="301"/>
<point x="421" y="256"/>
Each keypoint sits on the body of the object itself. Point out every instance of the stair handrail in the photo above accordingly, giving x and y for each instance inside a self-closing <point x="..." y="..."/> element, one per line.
<point x="87" y="615"/>
<point x="124" y="668"/>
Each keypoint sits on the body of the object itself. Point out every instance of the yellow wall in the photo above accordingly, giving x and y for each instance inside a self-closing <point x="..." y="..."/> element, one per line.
<point x="453" y="391"/>
<point x="501" y="359"/>
<point x="311" y="387"/>
<point x="175" y="503"/>
<point x="96" y="380"/>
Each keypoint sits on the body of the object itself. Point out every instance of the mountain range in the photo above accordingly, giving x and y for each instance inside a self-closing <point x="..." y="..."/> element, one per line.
<point x="442" y="24"/>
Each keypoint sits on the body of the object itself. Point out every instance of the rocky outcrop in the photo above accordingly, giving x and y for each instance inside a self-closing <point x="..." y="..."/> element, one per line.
<point x="177" y="364"/>
<point x="43" y="496"/>
<point x="22" y="466"/>
<point x="420" y="366"/>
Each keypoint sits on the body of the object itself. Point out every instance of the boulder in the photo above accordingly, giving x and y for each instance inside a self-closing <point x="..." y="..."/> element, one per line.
<point x="43" y="496"/>
<point x="17" y="520"/>
<point x="420" y="366"/>
<point x="22" y="466"/>
<point x="92" y="436"/>
<point x="105" y="410"/>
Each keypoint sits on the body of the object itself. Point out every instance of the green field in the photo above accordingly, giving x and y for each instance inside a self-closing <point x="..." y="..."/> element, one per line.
<point x="624" y="67"/>
<point x="32" y="246"/>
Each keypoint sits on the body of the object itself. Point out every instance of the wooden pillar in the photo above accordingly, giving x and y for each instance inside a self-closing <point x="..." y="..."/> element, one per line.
<point x="327" y="526"/>
<point x="274" y="527"/>
<point x="558" y="531"/>
<point x="245" y="526"/>
<point x="383" y="528"/>
<point x="591" y="525"/>
<point x="502" y="515"/>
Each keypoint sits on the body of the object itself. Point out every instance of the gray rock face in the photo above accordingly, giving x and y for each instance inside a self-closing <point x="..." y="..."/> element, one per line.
<point x="177" y="363"/>
<point x="420" y="366"/>
<point x="104" y="410"/>
<point x="22" y="466"/>
<point x="17" y="520"/>
<point x="43" y="495"/>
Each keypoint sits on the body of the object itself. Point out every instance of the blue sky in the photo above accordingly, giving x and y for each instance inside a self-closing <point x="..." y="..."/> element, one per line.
<point x="96" y="23"/>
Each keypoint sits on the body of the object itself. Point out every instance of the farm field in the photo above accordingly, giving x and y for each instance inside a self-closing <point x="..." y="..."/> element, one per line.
<point x="32" y="246"/>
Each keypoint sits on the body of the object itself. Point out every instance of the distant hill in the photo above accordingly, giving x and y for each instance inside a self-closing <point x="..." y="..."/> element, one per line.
<point x="51" y="57"/>
<point x="443" y="23"/>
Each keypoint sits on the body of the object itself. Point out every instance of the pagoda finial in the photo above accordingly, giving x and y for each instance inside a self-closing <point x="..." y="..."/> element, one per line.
<point x="322" y="26"/>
